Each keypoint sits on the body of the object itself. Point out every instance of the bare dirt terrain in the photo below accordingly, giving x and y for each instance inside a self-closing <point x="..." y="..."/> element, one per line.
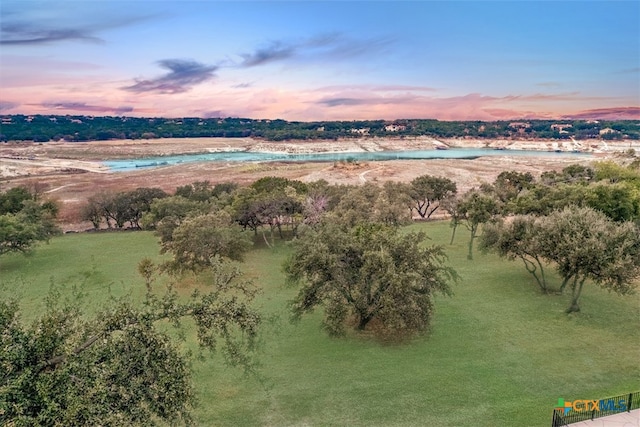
<point x="71" y="172"/>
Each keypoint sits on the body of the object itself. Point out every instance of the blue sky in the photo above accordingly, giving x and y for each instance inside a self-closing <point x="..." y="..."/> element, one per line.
<point x="307" y="60"/>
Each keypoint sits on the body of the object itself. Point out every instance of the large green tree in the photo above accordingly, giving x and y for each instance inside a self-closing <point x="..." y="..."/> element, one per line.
<point x="428" y="191"/>
<point x="473" y="209"/>
<point x="198" y="240"/>
<point x="583" y="245"/>
<point x="518" y="238"/>
<point x="119" y="366"/>
<point x="25" y="220"/>
<point x="369" y="274"/>
<point x="587" y="245"/>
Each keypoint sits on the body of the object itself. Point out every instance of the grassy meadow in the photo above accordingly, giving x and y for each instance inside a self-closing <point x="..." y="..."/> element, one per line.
<point x="499" y="353"/>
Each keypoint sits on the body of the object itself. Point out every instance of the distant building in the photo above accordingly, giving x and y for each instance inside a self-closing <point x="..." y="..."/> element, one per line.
<point x="361" y="131"/>
<point x="560" y="127"/>
<point x="395" y="128"/>
<point x="607" y="130"/>
<point x="519" y="125"/>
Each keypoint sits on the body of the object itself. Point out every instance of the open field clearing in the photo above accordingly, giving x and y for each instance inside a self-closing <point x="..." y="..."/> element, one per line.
<point x="499" y="353"/>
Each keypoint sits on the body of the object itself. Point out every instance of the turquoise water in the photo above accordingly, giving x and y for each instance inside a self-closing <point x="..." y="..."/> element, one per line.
<point x="245" y="156"/>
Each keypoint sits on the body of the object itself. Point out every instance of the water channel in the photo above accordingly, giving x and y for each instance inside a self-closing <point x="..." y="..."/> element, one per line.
<point x="123" y="165"/>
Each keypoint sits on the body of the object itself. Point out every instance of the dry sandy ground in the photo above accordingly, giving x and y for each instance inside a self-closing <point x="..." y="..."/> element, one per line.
<point x="72" y="172"/>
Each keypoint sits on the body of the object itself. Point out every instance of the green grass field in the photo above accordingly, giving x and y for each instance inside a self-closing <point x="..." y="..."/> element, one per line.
<point x="499" y="352"/>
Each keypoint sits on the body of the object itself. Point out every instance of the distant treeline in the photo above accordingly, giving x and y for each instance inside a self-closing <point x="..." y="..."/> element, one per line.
<point x="42" y="128"/>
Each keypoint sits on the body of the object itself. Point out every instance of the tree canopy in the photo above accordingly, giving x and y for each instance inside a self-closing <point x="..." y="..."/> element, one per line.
<point x="581" y="243"/>
<point x="370" y="274"/>
<point x="198" y="240"/>
<point x="119" y="366"/>
<point x="427" y="191"/>
<point x="25" y="220"/>
<point x="42" y="128"/>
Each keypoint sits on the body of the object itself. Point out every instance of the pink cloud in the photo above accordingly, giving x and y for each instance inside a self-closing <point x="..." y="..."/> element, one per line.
<point x="620" y="113"/>
<point x="338" y="102"/>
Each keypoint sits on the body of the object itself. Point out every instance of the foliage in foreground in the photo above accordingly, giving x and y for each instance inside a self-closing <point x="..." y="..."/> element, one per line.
<point x="119" y="366"/>
<point x="368" y="274"/>
<point x="492" y="332"/>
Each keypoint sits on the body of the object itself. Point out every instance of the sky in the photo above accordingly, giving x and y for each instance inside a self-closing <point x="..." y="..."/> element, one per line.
<point x="321" y="60"/>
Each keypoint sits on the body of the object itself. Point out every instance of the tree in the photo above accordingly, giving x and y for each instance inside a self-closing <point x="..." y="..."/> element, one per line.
<point x="354" y="204"/>
<point x="11" y="201"/>
<point x="166" y="214"/>
<point x="118" y="366"/>
<point x="391" y="206"/>
<point x="585" y="244"/>
<point x="517" y="239"/>
<point x="200" y="191"/>
<point x="270" y="184"/>
<point x="92" y="212"/>
<point x="572" y="174"/>
<point x="122" y="207"/>
<point x="394" y="205"/>
<point x="426" y="191"/>
<point x="314" y="208"/>
<point x="198" y="240"/>
<point x="544" y="199"/>
<point x="366" y="203"/>
<point x="619" y="201"/>
<point x="614" y="172"/>
<point x="139" y="202"/>
<point x="472" y="210"/>
<point x="582" y="243"/>
<point x="368" y="274"/>
<point x="25" y="221"/>
<point x="509" y="184"/>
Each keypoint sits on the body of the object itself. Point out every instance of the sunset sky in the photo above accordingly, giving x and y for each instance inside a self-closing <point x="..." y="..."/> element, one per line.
<point x="331" y="60"/>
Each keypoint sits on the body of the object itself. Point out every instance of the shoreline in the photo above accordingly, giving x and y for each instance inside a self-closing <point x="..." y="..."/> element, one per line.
<point x="69" y="158"/>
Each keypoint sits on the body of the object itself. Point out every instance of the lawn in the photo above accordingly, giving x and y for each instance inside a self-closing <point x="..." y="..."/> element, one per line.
<point x="499" y="352"/>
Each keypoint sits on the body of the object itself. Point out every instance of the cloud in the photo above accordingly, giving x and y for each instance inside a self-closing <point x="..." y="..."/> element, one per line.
<point x="399" y="88"/>
<point x="277" y="51"/>
<point x="615" y="113"/>
<point x="634" y="70"/>
<point x="565" y="96"/>
<point x="82" y="106"/>
<point x="35" y="24"/>
<point x="508" y="114"/>
<point x="377" y="88"/>
<point x="215" y="114"/>
<point x="345" y="48"/>
<point x="335" y="102"/>
<point x="7" y="105"/>
<point x="182" y="76"/>
<point x="27" y="34"/>
<point x="405" y="100"/>
<point x="322" y="47"/>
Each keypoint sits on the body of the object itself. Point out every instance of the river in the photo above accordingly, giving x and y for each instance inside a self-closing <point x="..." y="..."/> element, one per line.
<point x="250" y="156"/>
